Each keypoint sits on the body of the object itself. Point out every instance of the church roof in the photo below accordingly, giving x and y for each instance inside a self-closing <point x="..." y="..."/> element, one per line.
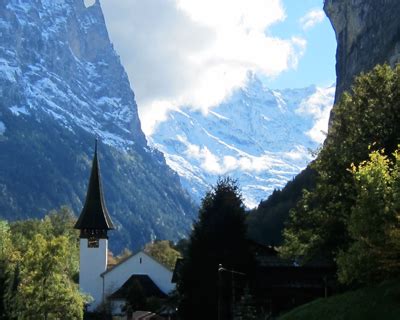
<point x="111" y="267"/>
<point x="149" y="288"/>
<point x="94" y="214"/>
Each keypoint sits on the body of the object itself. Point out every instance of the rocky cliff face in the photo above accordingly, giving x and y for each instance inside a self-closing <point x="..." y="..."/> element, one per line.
<point x="367" y="33"/>
<point x="62" y="85"/>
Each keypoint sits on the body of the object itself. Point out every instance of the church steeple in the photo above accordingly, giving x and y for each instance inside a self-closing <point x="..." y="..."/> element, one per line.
<point x="94" y="220"/>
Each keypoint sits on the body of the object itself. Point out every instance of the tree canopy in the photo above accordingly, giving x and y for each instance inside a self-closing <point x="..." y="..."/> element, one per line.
<point x="367" y="116"/>
<point x="39" y="267"/>
<point x="163" y="251"/>
<point x="218" y="237"/>
<point x="374" y="222"/>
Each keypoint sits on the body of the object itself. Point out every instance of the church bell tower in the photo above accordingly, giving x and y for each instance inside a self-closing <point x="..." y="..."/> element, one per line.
<point x="94" y="222"/>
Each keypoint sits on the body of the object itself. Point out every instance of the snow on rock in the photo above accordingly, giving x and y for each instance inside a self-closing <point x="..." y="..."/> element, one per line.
<point x="19" y="110"/>
<point x="259" y="136"/>
<point x="2" y="128"/>
<point x="56" y="60"/>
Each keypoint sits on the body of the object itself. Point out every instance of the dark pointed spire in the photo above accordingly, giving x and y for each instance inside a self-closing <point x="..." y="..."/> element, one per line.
<point x="94" y="215"/>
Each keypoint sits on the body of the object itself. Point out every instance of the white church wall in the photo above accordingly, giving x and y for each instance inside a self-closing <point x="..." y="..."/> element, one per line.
<point x="139" y="263"/>
<point x="92" y="263"/>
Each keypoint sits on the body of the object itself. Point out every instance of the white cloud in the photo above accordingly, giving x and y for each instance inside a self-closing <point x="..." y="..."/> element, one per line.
<point x="221" y="165"/>
<point x="319" y="106"/>
<point x="190" y="52"/>
<point x="298" y="153"/>
<point x="312" y="18"/>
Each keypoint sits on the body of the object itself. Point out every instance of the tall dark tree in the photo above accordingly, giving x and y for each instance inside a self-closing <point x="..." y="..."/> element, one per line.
<point x="218" y="237"/>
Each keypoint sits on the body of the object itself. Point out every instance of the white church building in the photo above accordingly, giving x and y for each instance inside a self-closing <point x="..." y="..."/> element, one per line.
<point x="96" y="278"/>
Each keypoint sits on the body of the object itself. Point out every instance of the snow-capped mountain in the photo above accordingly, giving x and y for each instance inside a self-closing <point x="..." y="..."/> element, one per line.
<point x="59" y="52"/>
<point x="61" y="86"/>
<point x="260" y="137"/>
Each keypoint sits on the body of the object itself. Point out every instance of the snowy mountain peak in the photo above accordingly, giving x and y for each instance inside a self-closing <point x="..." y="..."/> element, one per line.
<point x="259" y="136"/>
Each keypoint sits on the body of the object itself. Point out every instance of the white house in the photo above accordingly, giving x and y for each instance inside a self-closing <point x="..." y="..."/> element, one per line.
<point x="95" y="278"/>
<point x="154" y="278"/>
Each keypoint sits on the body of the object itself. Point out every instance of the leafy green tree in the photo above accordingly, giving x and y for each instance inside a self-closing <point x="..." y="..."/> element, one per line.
<point x="368" y="115"/>
<point x="5" y="256"/>
<point x="38" y="262"/>
<point x="163" y="251"/>
<point x="374" y="223"/>
<point x="218" y="237"/>
<point x="5" y="240"/>
<point x="45" y="290"/>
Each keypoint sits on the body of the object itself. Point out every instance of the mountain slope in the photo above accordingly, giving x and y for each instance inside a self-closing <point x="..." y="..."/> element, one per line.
<point x="259" y="136"/>
<point x="62" y="85"/>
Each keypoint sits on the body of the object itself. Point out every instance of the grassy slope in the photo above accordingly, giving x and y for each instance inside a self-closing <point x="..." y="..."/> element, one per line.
<point x="378" y="302"/>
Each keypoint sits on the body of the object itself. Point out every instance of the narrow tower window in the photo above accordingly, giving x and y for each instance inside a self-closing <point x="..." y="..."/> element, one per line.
<point x="93" y="242"/>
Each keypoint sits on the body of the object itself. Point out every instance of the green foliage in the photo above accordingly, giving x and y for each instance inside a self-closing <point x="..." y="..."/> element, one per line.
<point x="218" y="237"/>
<point x="370" y="303"/>
<point x="374" y="222"/>
<point x="5" y="257"/>
<point x="5" y="241"/>
<point x="370" y="114"/>
<point x="45" y="290"/>
<point x="40" y="261"/>
<point x="163" y="251"/>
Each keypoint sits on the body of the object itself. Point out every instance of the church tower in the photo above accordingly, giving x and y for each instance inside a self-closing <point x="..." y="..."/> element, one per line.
<point x="93" y="223"/>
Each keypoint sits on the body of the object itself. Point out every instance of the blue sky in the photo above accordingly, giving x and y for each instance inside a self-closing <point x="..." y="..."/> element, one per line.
<point x="317" y="66"/>
<point x="196" y="53"/>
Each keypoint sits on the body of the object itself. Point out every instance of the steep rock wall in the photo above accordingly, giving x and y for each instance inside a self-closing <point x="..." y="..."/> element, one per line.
<point x="367" y="33"/>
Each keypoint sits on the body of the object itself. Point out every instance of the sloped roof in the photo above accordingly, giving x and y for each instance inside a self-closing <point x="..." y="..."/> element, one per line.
<point x="112" y="267"/>
<point x="150" y="289"/>
<point x="94" y="214"/>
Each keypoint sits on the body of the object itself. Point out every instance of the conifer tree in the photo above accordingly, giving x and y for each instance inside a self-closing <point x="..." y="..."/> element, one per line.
<point x="218" y="237"/>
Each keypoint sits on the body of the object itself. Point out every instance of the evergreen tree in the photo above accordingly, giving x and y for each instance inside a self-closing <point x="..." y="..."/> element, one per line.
<point x="218" y="237"/>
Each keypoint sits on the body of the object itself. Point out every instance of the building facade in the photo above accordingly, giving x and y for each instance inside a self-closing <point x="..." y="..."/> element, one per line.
<point x="106" y="284"/>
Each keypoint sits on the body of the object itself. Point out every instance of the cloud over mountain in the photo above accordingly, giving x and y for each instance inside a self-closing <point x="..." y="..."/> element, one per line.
<point x="186" y="52"/>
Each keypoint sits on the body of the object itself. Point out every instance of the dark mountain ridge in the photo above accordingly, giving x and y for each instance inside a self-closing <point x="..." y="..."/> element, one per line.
<point x="61" y="86"/>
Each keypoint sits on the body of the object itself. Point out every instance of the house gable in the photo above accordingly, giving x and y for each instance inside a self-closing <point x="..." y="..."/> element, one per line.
<point x="138" y="264"/>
